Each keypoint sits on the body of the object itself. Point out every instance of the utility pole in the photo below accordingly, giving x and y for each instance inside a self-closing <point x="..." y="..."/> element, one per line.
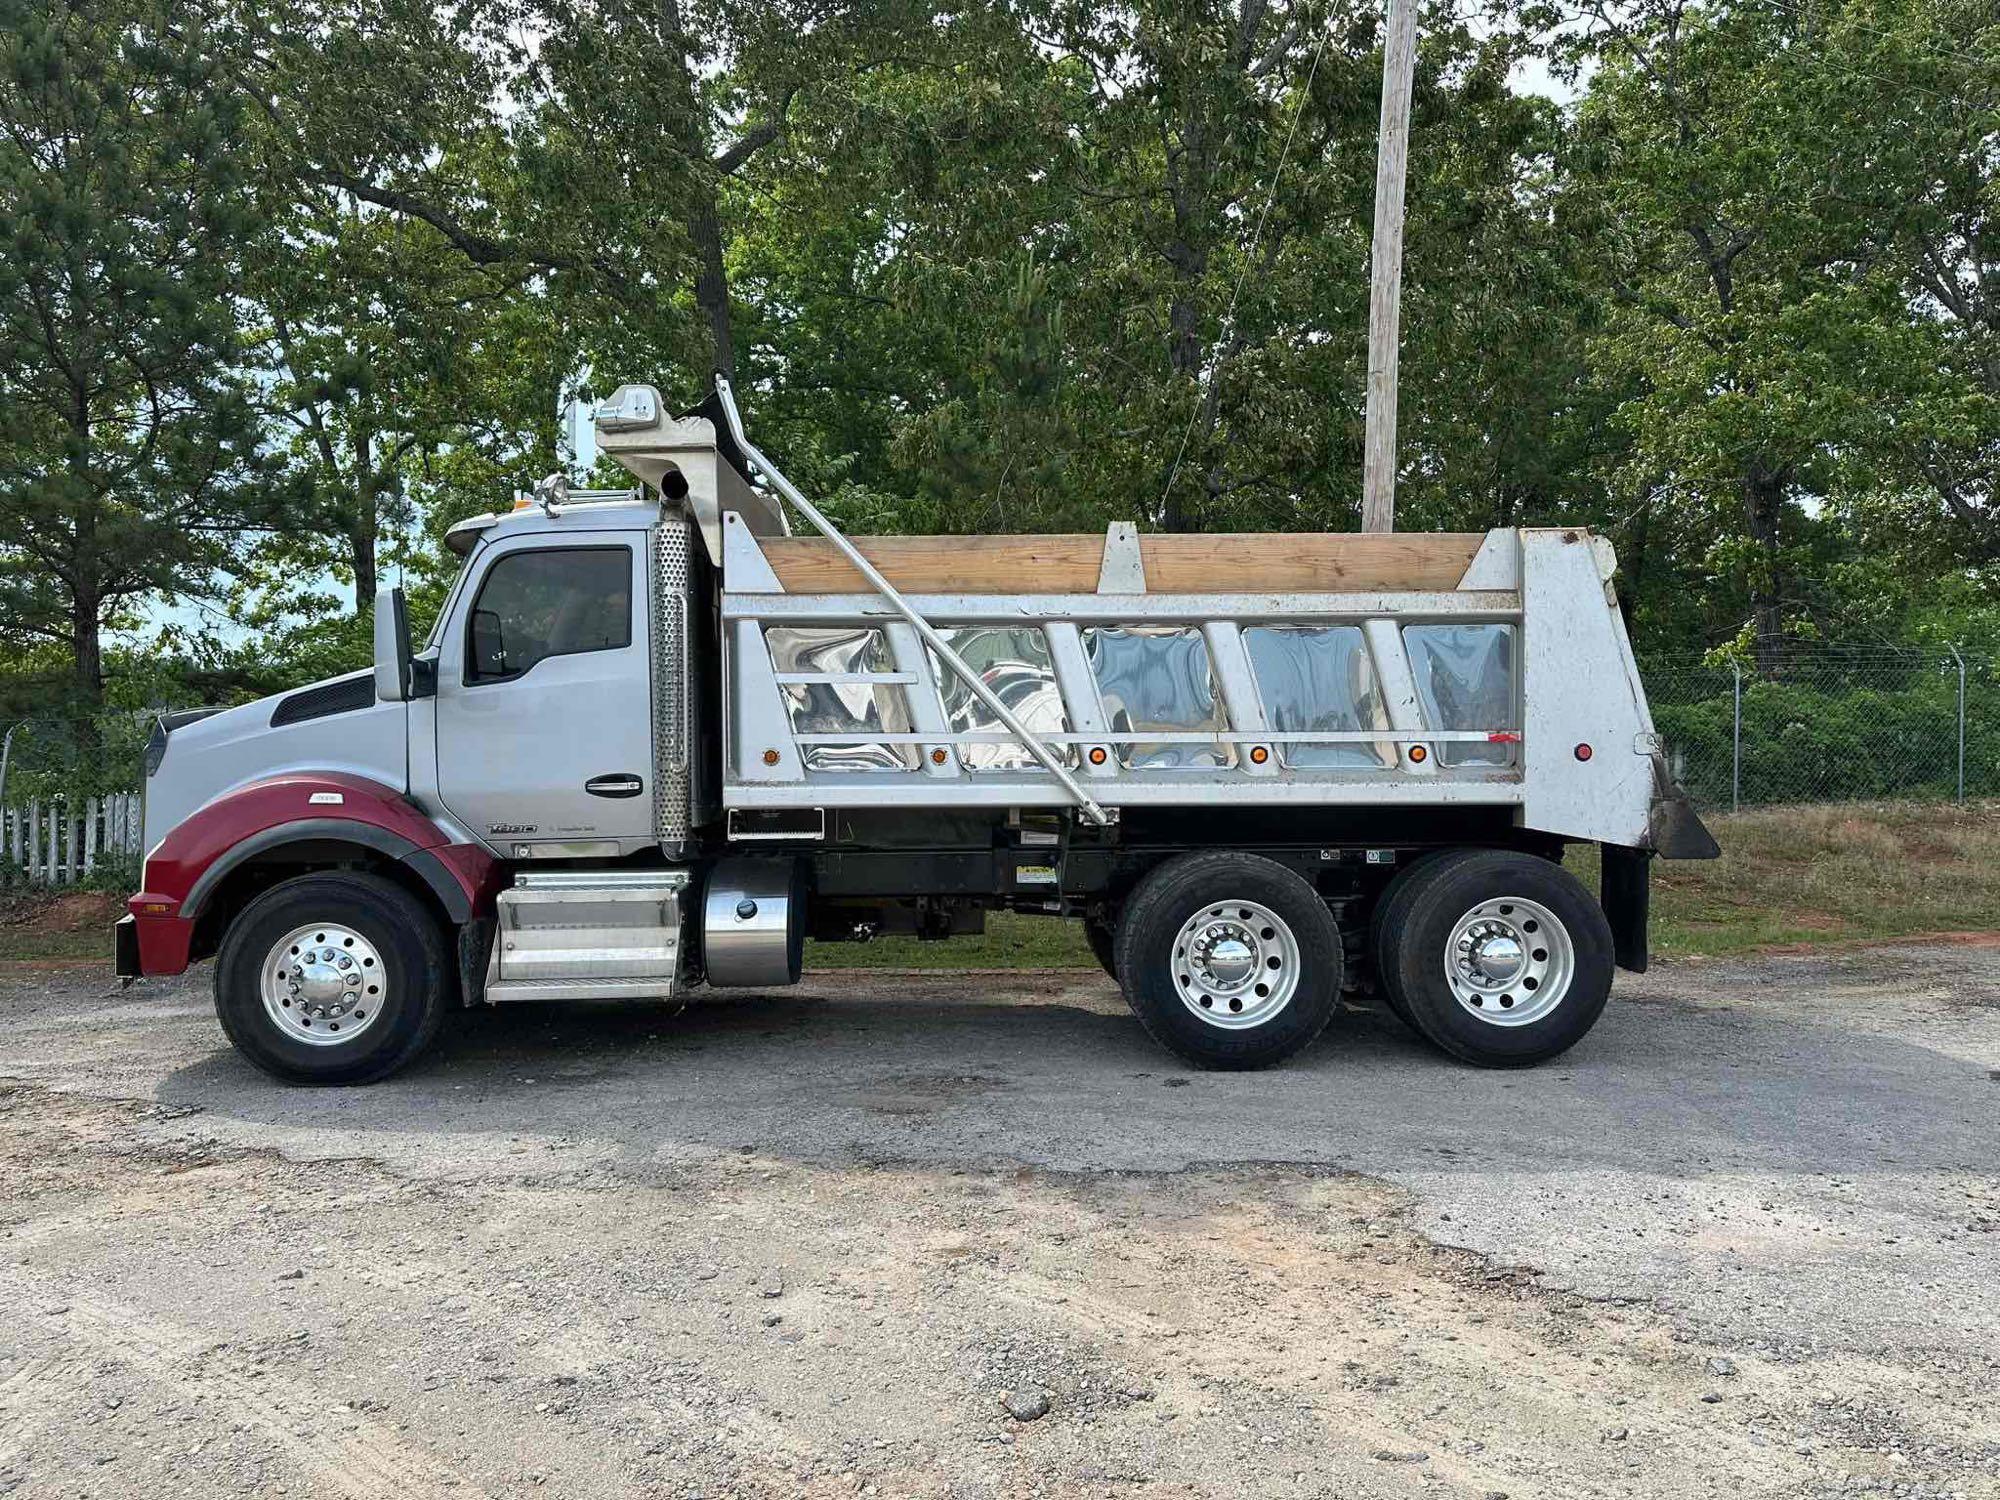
<point x="1385" y="291"/>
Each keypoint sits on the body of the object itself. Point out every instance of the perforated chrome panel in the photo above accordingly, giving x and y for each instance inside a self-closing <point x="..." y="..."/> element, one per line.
<point x="673" y="682"/>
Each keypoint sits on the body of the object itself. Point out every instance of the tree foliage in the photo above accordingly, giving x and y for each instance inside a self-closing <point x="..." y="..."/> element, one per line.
<point x="127" y="441"/>
<point x="291" y="287"/>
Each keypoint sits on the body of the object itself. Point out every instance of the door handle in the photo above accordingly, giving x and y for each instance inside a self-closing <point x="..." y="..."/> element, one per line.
<point x="618" y="784"/>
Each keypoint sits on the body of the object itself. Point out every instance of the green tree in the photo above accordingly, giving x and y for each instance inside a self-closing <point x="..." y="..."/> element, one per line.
<point x="127" y="442"/>
<point x="1746" y="180"/>
<point x="1112" y="264"/>
<point x="1921" y="481"/>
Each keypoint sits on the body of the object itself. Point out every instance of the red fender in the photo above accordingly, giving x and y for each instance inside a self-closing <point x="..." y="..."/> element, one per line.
<point x="182" y="874"/>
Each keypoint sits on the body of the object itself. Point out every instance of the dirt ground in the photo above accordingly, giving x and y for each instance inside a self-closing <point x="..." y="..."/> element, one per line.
<point x="972" y="1236"/>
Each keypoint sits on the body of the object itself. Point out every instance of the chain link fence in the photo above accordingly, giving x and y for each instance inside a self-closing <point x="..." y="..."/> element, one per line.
<point x="1829" y="724"/>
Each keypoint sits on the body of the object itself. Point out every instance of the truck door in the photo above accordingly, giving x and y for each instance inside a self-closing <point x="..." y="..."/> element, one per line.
<point x="544" y="697"/>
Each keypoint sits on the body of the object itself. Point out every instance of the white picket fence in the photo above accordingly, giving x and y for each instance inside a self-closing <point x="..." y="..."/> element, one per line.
<point x="60" y="840"/>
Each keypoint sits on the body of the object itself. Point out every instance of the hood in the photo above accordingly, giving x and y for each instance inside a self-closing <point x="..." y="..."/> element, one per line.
<point x="335" y="725"/>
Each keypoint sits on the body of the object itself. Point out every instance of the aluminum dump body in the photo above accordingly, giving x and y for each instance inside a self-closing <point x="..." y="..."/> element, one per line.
<point x="1423" y="670"/>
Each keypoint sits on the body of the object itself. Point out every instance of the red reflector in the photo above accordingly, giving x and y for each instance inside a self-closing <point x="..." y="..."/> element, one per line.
<point x="1503" y="737"/>
<point x="1583" y="752"/>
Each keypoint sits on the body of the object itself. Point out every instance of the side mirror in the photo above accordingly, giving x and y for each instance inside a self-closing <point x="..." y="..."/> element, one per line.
<point x="392" y="647"/>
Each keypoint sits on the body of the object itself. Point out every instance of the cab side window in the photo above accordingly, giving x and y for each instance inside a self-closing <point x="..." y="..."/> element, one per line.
<point x="534" y="605"/>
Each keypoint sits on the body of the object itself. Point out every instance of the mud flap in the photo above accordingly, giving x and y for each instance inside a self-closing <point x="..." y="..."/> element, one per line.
<point x="475" y="942"/>
<point x="125" y="949"/>
<point x="1676" y="832"/>
<point x="1625" y="893"/>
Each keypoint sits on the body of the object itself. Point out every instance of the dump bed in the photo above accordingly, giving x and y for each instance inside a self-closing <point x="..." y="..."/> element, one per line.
<point x="1415" y="670"/>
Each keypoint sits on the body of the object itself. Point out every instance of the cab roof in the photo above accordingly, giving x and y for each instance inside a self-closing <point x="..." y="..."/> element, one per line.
<point x="585" y="510"/>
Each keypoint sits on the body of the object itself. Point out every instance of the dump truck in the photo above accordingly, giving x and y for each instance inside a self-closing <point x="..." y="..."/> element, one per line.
<point x="655" y="741"/>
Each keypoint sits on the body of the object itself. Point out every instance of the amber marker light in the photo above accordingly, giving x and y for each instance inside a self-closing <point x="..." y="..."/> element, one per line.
<point x="771" y="757"/>
<point x="1258" y="755"/>
<point x="937" y="757"/>
<point x="1097" y="756"/>
<point x="1418" y="755"/>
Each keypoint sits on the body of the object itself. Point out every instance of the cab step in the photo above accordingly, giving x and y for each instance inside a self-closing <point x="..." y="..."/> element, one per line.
<point x="587" y="935"/>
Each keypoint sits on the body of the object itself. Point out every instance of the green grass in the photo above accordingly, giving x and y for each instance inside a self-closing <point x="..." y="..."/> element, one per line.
<point x="42" y="946"/>
<point x="72" y="925"/>
<point x="1011" y="941"/>
<point x="1854" y="872"/>
<point x="1850" y="872"/>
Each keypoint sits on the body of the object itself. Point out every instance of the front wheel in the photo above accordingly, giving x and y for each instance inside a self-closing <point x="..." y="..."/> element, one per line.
<point x="335" y="978"/>
<point x="1502" y="959"/>
<point x="1230" y="960"/>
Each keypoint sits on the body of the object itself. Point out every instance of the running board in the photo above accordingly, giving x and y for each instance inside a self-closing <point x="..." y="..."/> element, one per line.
<point x="587" y="935"/>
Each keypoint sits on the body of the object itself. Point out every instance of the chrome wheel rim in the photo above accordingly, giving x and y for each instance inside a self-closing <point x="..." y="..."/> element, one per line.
<point x="1236" y="964"/>
<point x="1509" y="961"/>
<point x="323" y="985"/>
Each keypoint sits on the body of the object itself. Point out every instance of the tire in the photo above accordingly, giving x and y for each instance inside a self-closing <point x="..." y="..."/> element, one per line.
<point x="288" y="1027"/>
<point x="1103" y="940"/>
<point x="1260" y="922"/>
<point x="1385" y="980"/>
<point x="1547" y="965"/>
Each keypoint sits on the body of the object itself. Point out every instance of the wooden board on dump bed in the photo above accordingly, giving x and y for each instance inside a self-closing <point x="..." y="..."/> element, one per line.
<point x="1224" y="563"/>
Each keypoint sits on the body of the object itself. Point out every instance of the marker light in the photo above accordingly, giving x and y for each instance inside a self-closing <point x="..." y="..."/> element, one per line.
<point x="1418" y="755"/>
<point x="1097" y="755"/>
<point x="1258" y="755"/>
<point x="1584" y="752"/>
<point x="771" y="757"/>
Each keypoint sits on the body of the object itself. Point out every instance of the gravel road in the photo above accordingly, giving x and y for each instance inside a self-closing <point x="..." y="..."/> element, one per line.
<point x="972" y="1235"/>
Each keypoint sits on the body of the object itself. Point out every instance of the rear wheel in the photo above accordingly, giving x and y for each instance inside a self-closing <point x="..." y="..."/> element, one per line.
<point x="1500" y="958"/>
<point x="1229" y="960"/>
<point x="336" y="978"/>
<point x="1385" y="986"/>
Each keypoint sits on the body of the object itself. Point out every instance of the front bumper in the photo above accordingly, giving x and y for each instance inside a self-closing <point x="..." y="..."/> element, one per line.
<point x="150" y="943"/>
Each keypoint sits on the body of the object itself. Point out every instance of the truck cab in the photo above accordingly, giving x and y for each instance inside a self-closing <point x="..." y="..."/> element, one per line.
<point x="655" y="740"/>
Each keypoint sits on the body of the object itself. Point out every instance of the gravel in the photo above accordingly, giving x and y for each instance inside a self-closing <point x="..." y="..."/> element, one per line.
<point x="972" y="1236"/>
